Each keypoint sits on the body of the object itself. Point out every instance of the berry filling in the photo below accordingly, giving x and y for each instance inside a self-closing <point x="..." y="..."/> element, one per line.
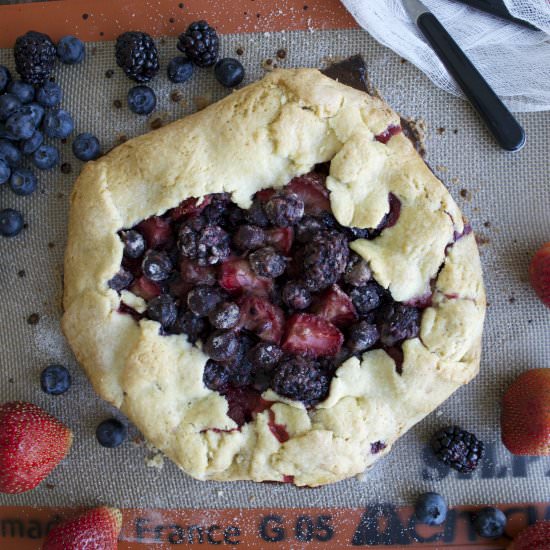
<point x="273" y="294"/>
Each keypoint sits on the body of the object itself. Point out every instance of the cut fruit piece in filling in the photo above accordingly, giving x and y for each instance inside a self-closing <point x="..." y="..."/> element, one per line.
<point x="272" y="294"/>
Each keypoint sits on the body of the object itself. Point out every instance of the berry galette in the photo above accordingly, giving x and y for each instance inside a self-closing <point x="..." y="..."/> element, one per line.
<point x="274" y="288"/>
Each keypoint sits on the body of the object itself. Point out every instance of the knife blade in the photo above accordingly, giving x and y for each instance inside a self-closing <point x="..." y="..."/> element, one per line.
<point x="498" y="119"/>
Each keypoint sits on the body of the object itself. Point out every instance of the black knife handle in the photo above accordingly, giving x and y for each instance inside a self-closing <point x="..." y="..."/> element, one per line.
<point x="497" y="117"/>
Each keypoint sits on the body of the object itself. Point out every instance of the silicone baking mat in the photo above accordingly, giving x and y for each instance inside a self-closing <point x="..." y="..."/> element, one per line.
<point x="506" y="196"/>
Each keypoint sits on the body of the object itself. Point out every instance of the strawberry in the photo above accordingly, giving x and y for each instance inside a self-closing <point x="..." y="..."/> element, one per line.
<point x="96" y="529"/>
<point x="281" y="238"/>
<point x="311" y="335"/>
<point x="192" y="272"/>
<point x="388" y="133"/>
<point x="155" y="230"/>
<point x="335" y="306"/>
<point x="264" y="195"/>
<point x="539" y="272"/>
<point x="191" y="206"/>
<point x="259" y="315"/>
<point x="145" y="288"/>
<point x="533" y="537"/>
<point x="311" y="189"/>
<point x="32" y="444"/>
<point x="525" y="417"/>
<point x="236" y="275"/>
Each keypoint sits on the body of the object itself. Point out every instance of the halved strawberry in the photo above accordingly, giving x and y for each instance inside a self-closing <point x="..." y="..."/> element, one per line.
<point x="335" y="306"/>
<point x="281" y="238"/>
<point x="237" y="276"/>
<point x="264" y="195"/>
<point x="539" y="272"/>
<point x="311" y="335"/>
<point x="262" y="317"/>
<point x="145" y="288"/>
<point x="155" y="230"/>
<point x="388" y="133"/>
<point x="96" y="529"/>
<point x="244" y="404"/>
<point x="311" y="189"/>
<point x="191" y="206"/>
<point x="525" y="417"/>
<point x="533" y="537"/>
<point x="193" y="273"/>
<point x="32" y="444"/>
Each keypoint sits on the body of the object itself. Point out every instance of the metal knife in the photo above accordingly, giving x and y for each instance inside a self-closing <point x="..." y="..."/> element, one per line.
<point x="498" y="119"/>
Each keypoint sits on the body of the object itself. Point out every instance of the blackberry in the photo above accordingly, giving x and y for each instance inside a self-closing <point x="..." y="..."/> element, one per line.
<point x="357" y="271"/>
<point x="398" y="322"/>
<point x="215" y="376"/>
<point x="284" y="209"/>
<point x="190" y="324"/>
<point x="137" y="55"/>
<point x="296" y="296"/>
<point x="300" y="379"/>
<point x="240" y="373"/>
<point x="266" y="262"/>
<point x="202" y="299"/>
<point x="225" y="315"/>
<point x="264" y="356"/>
<point x="134" y="243"/>
<point x="156" y="265"/>
<point x="34" y="54"/>
<point x="209" y="245"/>
<point x="324" y="260"/>
<point x="249" y="237"/>
<point x="163" y="310"/>
<point x="121" y="280"/>
<point x="222" y="345"/>
<point x="366" y="298"/>
<point x="362" y="336"/>
<point x="200" y="43"/>
<point x="359" y="233"/>
<point x="458" y="448"/>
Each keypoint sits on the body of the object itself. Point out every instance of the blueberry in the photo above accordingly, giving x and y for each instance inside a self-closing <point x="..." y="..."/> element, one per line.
<point x="163" y="310"/>
<point x="490" y="523"/>
<point x="46" y="157"/>
<point x="49" y="94"/>
<point x="179" y="70"/>
<point x="229" y="72"/>
<point x="156" y="266"/>
<point x="362" y="336"/>
<point x="366" y="298"/>
<point x="55" y="380"/>
<point x="222" y="345"/>
<point x="10" y="153"/>
<point x="121" y="279"/>
<point x="431" y="509"/>
<point x="111" y="433"/>
<point x="29" y="146"/>
<point x="86" y="147"/>
<point x="11" y="222"/>
<point x="202" y="299"/>
<point x="5" y="171"/>
<point x="23" y="91"/>
<point x="71" y="50"/>
<point x="225" y="315"/>
<point x="9" y="104"/>
<point x="23" y="181"/>
<point x="58" y="124"/>
<point x="20" y="125"/>
<point x="36" y="111"/>
<point x="5" y="78"/>
<point x="134" y="243"/>
<point x="141" y="100"/>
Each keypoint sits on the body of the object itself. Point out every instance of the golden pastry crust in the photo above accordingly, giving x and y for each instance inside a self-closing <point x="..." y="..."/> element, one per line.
<point x="262" y="136"/>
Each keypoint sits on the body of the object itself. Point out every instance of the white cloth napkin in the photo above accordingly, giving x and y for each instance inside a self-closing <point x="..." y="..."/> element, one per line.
<point x="514" y="60"/>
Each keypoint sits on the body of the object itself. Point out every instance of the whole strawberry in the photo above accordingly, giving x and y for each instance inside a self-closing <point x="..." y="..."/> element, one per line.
<point x="539" y="272"/>
<point x="96" y="529"/>
<point x="534" y="537"/>
<point x="32" y="443"/>
<point x="525" y="418"/>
